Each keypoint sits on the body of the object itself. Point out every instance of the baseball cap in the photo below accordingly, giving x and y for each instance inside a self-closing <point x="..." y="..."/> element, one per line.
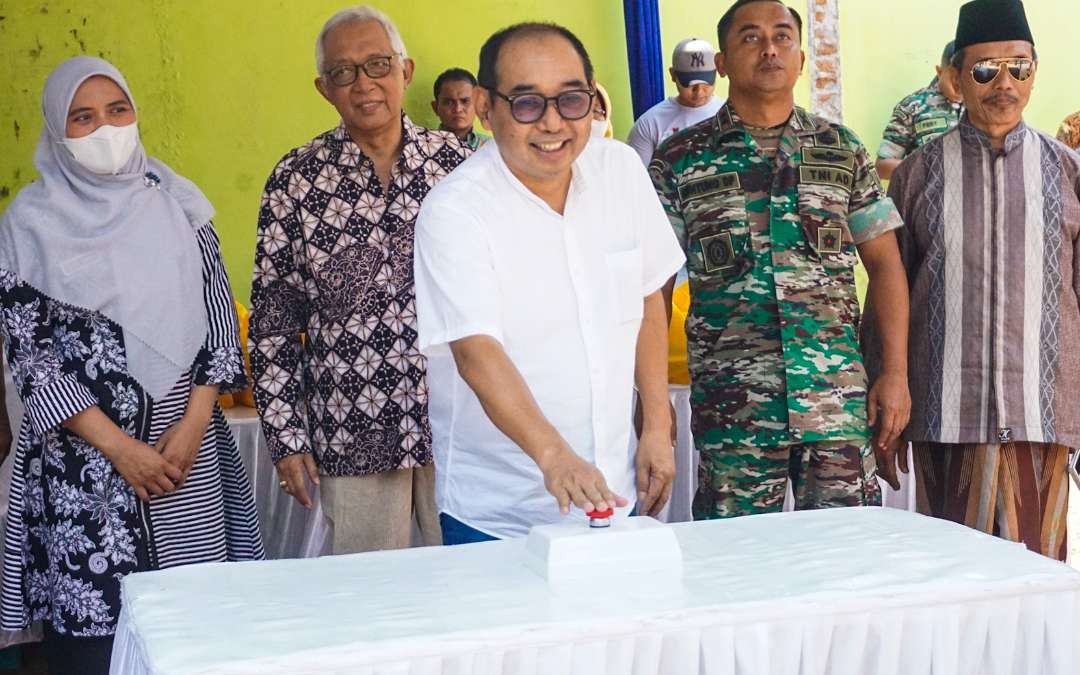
<point x="692" y="62"/>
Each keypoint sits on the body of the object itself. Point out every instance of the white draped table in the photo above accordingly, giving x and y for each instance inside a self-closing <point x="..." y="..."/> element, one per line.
<point x="864" y="591"/>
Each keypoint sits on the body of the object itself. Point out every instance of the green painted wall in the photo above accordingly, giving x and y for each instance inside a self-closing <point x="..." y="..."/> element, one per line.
<point x="225" y="87"/>
<point x="881" y="66"/>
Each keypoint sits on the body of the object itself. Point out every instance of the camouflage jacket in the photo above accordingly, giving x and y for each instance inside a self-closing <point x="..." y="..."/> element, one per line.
<point x="772" y="329"/>
<point x="1069" y="133"/>
<point x="916" y="119"/>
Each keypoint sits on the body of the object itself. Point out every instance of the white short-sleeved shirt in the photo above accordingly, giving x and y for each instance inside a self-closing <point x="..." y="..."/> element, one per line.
<point x="663" y="120"/>
<point x="564" y="296"/>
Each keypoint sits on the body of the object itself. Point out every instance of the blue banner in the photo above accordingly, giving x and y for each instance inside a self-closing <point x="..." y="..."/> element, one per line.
<point x="643" y="53"/>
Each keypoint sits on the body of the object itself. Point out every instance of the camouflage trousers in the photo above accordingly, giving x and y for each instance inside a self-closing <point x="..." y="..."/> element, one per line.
<point x="740" y="481"/>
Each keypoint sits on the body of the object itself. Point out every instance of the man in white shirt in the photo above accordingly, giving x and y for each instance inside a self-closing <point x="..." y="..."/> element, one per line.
<point x="539" y="268"/>
<point x="694" y="73"/>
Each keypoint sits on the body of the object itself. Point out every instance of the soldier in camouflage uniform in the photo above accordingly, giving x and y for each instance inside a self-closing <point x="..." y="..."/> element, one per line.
<point x="778" y="388"/>
<point x="919" y="117"/>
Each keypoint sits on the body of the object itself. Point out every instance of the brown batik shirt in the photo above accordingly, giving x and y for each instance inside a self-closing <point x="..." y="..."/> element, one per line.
<point x="333" y="317"/>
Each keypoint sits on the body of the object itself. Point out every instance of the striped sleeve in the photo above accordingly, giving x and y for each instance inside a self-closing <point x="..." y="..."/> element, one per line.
<point x="51" y="404"/>
<point x="46" y="376"/>
<point x="221" y="360"/>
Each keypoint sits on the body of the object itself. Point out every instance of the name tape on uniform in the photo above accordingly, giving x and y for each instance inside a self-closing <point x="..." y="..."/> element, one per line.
<point x="932" y="125"/>
<point x="709" y="185"/>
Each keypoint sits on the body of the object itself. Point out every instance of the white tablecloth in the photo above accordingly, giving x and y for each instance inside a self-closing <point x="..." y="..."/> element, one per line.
<point x="678" y="509"/>
<point x="288" y="529"/>
<point x="865" y="591"/>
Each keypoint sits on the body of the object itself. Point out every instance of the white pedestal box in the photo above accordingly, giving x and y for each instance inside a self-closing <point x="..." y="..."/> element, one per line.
<point x="573" y="551"/>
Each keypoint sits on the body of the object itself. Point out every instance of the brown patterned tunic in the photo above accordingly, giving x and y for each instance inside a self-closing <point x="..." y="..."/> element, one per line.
<point x="991" y="248"/>
<point x="334" y="261"/>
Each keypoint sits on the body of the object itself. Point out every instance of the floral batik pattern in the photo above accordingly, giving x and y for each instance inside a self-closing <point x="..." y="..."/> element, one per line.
<point x="75" y="526"/>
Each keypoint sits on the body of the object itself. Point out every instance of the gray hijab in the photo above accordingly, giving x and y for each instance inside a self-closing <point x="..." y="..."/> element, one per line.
<point x="121" y="245"/>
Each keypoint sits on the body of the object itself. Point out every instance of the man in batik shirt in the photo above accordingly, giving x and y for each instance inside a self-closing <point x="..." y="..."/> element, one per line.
<point x="773" y="206"/>
<point x="339" y="380"/>
<point x="919" y="117"/>
<point x="992" y="225"/>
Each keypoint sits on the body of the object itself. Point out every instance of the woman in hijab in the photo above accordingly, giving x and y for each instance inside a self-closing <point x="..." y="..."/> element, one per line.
<point x="120" y="331"/>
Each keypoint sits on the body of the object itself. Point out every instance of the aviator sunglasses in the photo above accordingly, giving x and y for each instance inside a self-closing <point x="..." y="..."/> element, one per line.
<point x="987" y="70"/>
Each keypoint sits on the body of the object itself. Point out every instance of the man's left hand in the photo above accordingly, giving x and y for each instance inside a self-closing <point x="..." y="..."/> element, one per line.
<point x="888" y="408"/>
<point x="639" y="420"/>
<point x="655" y="464"/>
<point x="180" y="443"/>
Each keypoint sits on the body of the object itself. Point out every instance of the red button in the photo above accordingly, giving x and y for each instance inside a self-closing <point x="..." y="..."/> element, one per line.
<point x="609" y="512"/>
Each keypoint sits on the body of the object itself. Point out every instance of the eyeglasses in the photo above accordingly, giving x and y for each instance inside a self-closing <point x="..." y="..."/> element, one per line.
<point x="528" y="108"/>
<point x="987" y="70"/>
<point x="346" y="74"/>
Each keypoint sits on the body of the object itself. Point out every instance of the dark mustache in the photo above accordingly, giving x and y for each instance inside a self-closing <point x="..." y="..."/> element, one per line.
<point x="1001" y="98"/>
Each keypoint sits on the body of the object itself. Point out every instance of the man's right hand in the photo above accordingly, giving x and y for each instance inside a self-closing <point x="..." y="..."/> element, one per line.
<point x="292" y="470"/>
<point x="145" y="469"/>
<point x="570" y="479"/>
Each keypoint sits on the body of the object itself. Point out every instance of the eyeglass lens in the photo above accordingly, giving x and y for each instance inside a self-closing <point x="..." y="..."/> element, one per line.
<point x="984" y="72"/>
<point x="346" y="74"/>
<point x="572" y="105"/>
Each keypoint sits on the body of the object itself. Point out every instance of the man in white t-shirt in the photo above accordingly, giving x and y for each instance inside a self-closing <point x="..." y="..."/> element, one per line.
<point x="539" y="266"/>
<point x="694" y="73"/>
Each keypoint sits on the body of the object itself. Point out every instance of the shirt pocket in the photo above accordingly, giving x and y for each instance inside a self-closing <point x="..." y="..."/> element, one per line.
<point x="823" y="210"/>
<point x="624" y="272"/>
<point x="719" y="237"/>
<point x="344" y="280"/>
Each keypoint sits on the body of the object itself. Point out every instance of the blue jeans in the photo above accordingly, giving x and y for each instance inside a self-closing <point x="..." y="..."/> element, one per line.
<point x="455" y="532"/>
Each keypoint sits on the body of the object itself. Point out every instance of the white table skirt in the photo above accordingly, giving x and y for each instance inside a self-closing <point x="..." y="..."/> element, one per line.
<point x="864" y="591"/>
<point x="288" y="529"/>
<point x="678" y="509"/>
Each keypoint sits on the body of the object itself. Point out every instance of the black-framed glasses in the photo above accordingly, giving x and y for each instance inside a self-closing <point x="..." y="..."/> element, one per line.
<point x="375" y="67"/>
<point x="528" y="108"/>
<point x="987" y="70"/>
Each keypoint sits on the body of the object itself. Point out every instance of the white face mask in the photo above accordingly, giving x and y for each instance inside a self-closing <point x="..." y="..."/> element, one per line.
<point x="106" y="150"/>
<point x="599" y="128"/>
